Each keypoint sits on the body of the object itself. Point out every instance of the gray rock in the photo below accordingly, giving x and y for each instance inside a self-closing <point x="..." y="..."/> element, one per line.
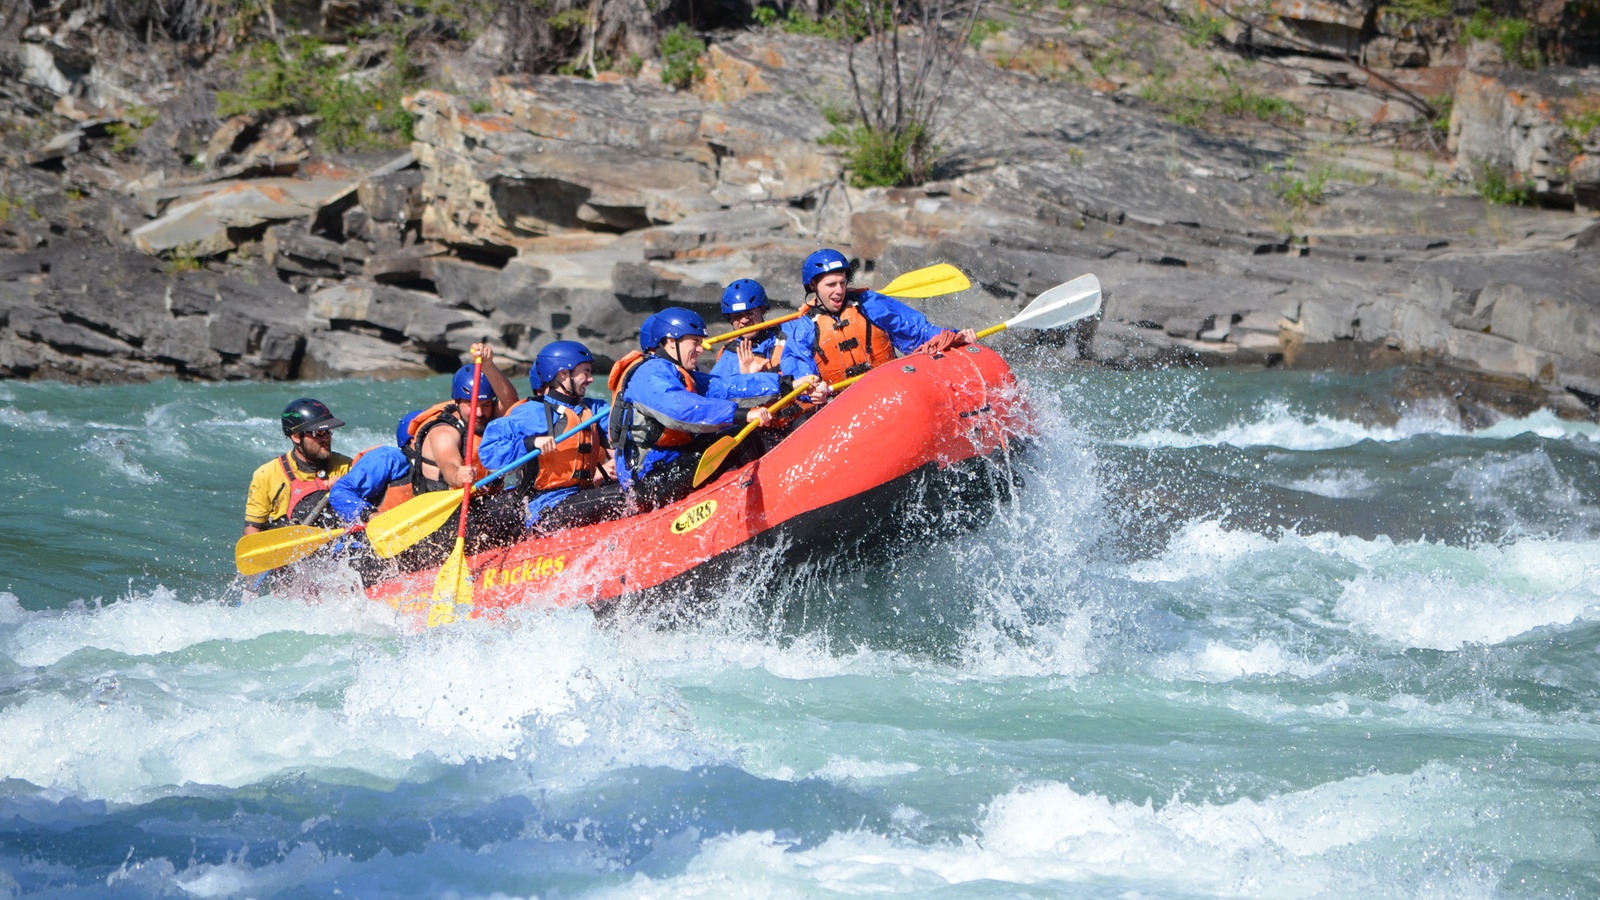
<point x="47" y="328"/>
<point x="394" y="197"/>
<point x="465" y="284"/>
<point x="348" y="354"/>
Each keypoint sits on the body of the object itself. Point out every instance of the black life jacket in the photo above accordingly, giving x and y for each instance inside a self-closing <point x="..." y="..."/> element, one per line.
<point x="420" y="483"/>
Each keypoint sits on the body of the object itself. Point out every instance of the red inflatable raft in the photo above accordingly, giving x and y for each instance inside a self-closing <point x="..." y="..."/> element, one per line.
<point x="916" y="448"/>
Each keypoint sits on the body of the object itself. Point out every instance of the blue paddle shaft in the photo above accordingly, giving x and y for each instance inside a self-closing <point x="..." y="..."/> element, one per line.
<point x="532" y="453"/>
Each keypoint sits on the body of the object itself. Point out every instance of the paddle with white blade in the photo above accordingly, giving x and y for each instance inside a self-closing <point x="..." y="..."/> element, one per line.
<point x="1058" y="307"/>
<point x="934" y="281"/>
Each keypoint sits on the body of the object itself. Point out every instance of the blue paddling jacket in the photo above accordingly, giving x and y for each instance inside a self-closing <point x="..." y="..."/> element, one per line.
<point x="663" y="411"/>
<point x="907" y="330"/>
<point x="728" y="360"/>
<point x="361" y="490"/>
<point x="511" y="437"/>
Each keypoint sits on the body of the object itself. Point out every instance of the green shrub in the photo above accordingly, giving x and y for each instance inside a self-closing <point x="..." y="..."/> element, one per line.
<point x="12" y="206"/>
<point x="306" y="79"/>
<point x="680" y="56"/>
<point x="846" y="20"/>
<point x="1239" y="102"/>
<point x="1189" y="104"/>
<point x="1421" y="10"/>
<point x="983" y="29"/>
<point x="183" y="258"/>
<point x="1200" y="30"/>
<point x="885" y="158"/>
<point x="1518" y="38"/>
<point x="1443" y="107"/>
<point x="1299" y="190"/>
<point x="1583" y="123"/>
<point x="1500" y="188"/>
<point x="125" y="134"/>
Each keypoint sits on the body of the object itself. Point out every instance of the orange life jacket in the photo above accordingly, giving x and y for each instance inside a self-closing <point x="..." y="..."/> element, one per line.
<point x="395" y="492"/>
<point x="847" y="344"/>
<point x="439" y="414"/>
<point x="773" y="359"/>
<point x="304" y="494"/>
<point x="647" y="431"/>
<point x="576" y="461"/>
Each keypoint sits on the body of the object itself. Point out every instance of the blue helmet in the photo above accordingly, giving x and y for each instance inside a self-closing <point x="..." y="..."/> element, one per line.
<point x="672" y="322"/>
<point x="461" y="386"/>
<point x="402" y="433"/>
<point x="743" y="295"/>
<point x="555" y="357"/>
<point x="821" y="263"/>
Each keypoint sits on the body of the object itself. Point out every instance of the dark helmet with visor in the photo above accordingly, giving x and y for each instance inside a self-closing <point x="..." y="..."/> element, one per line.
<point x="306" y="415"/>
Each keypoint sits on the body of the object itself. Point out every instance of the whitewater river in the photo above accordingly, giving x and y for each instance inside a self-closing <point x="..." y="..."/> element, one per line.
<point x="1243" y="634"/>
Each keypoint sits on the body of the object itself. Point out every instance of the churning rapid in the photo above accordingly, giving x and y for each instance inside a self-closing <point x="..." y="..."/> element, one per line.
<point x="1255" y="634"/>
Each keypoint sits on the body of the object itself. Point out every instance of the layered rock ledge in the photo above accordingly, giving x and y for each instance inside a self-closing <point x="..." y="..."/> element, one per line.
<point x="557" y="207"/>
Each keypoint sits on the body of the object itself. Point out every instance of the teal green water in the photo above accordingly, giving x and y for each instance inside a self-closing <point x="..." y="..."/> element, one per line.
<point x="1242" y="634"/>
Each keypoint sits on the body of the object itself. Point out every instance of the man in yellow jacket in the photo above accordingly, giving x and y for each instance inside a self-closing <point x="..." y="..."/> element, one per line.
<point x="292" y="489"/>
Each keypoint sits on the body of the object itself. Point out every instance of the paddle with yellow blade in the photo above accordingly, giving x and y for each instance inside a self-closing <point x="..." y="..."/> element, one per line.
<point x="711" y="460"/>
<point x="1060" y="306"/>
<point x="275" y="548"/>
<point x="397" y="529"/>
<point x="933" y="281"/>
<point x="454" y="585"/>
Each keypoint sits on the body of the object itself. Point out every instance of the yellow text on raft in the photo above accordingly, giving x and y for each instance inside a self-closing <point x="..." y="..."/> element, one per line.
<point x="530" y="570"/>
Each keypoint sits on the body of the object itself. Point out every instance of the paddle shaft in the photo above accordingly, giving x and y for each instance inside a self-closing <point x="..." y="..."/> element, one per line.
<point x="529" y="456"/>
<point x="711" y="460"/>
<point x="948" y="276"/>
<point x="467" y="448"/>
<point x="759" y="326"/>
<point x="791" y="397"/>
<point x="394" y="530"/>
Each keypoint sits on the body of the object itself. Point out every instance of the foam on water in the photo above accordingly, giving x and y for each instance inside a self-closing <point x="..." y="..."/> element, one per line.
<point x="158" y="622"/>
<point x="1336" y="484"/>
<point x="1479" y="596"/>
<point x="1278" y="424"/>
<point x="1415" y="594"/>
<point x="1220" y="661"/>
<point x="1421" y="833"/>
<point x="1017" y="711"/>
<point x="151" y="691"/>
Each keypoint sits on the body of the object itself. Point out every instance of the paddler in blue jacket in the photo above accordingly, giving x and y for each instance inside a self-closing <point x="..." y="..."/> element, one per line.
<point x="665" y="414"/>
<point x="846" y="332"/>
<point x="557" y="483"/>
<point x="379" y="479"/>
<point x="744" y="303"/>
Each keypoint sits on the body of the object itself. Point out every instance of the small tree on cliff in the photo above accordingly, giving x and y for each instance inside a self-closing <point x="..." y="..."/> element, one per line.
<point x="901" y="55"/>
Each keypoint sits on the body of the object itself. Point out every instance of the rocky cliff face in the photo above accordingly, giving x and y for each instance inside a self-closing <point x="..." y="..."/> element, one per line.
<point x="540" y="207"/>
